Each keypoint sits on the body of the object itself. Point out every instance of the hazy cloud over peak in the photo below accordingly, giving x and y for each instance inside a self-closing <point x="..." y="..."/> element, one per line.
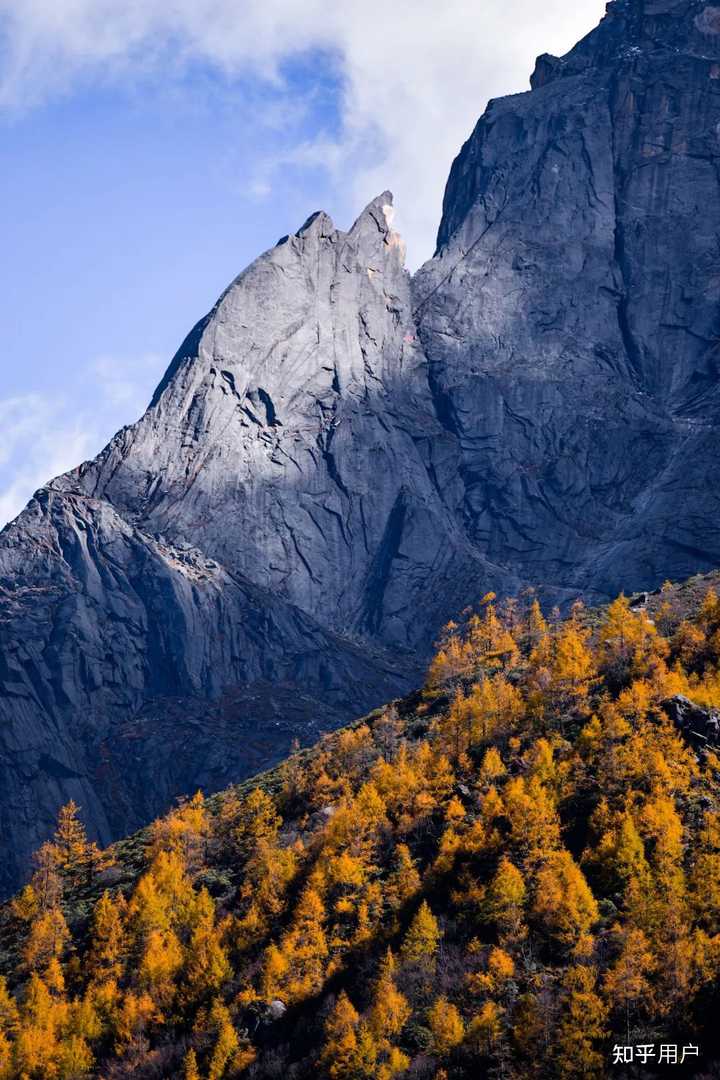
<point x="415" y="74"/>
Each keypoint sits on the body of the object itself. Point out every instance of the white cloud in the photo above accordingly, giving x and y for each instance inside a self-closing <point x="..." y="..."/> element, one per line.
<point x="34" y="445"/>
<point x="417" y="74"/>
<point x="42" y="436"/>
<point x="126" y="383"/>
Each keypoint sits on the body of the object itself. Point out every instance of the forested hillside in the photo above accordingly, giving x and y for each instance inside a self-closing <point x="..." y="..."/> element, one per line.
<point x="508" y="874"/>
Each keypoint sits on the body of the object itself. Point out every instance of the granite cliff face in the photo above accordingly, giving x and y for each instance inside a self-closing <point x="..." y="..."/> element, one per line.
<point x="295" y="439"/>
<point x="571" y="314"/>
<point x="134" y="668"/>
<point x="340" y="457"/>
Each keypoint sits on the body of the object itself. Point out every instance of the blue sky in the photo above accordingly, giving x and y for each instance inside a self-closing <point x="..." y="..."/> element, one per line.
<point x="150" y="149"/>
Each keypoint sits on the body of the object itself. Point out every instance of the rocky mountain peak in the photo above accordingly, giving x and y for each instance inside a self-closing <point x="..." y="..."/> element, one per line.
<point x="373" y="227"/>
<point x="633" y="27"/>
<point x="233" y="327"/>
<point x="319" y="223"/>
<point x="377" y="218"/>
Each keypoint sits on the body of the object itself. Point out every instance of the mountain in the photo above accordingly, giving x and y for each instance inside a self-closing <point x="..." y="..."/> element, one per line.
<point x="510" y="873"/>
<point x="571" y="317"/>
<point x="340" y="457"/>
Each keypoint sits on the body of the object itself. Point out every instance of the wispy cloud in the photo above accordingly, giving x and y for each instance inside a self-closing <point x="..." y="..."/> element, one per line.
<point x="125" y="383"/>
<point x="36" y="443"/>
<point x="42" y="436"/>
<point x="415" y="74"/>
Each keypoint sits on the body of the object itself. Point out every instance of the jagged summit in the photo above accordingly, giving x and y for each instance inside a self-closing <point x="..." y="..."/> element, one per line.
<point x="304" y="381"/>
<point x="373" y="224"/>
<point x="377" y="217"/>
<point x="379" y="212"/>
<point x="318" y="222"/>
<point x="631" y="27"/>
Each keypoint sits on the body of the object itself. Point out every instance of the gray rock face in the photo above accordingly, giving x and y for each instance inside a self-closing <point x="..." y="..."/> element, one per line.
<point x="339" y="458"/>
<point x="295" y="440"/>
<point x="571" y="314"/>
<point x="701" y="727"/>
<point x="134" y="669"/>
